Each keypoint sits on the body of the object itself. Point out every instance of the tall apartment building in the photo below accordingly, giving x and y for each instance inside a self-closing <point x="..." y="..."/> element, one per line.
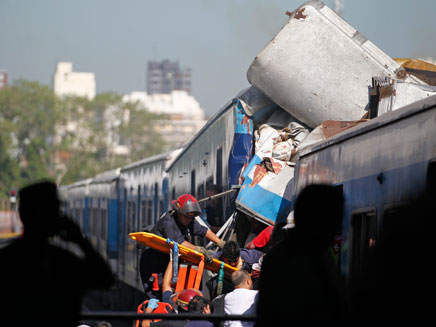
<point x="163" y="77"/>
<point x="67" y="82"/>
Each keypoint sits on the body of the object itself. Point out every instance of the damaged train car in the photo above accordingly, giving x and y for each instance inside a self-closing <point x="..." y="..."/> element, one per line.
<point x="329" y="78"/>
<point x="325" y="105"/>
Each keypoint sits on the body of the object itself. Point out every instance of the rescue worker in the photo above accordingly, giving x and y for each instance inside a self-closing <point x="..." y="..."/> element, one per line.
<point x="180" y="226"/>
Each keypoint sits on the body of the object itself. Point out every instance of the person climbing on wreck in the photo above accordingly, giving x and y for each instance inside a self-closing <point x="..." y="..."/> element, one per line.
<point x="180" y="226"/>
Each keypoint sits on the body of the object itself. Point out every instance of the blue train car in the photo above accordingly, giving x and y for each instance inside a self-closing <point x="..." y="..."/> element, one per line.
<point x="75" y="198"/>
<point x="103" y="210"/>
<point x="143" y="197"/>
<point x="382" y="165"/>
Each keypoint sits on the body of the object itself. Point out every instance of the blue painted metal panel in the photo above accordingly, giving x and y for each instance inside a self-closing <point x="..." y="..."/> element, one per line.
<point x="242" y="149"/>
<point x="268" y="198"/>
<point x="113" y="228"/>
<point x="262" y="202"/>
<point x="398" y="185"/>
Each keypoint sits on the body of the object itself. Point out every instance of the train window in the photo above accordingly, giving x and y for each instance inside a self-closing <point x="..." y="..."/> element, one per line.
<point x="173" y="196"/>
<point x="209" y="181"/>
<point x="90" y="219"/>
<point x="138" y="200"/>
<point x="219" y="167"/>
<point x="161" y="208"/>
<point x="396" y="221"/>
<point x="200" y="191"/>
<point x="149" y="212"/>
<point x="156" y="201"/>
<point x="95" y="221"/>
<point x="193" y="182"/>
<point x="132" y="217"/>
<point x="363" y="241"/>
<point x="143" y="214"/>
<point x="129" y="216"/>
<point x="77" y="214"/>
<point x="103" y="215"/>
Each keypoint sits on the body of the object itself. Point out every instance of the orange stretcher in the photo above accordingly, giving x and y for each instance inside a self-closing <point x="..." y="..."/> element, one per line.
<point x="159" y="243"/>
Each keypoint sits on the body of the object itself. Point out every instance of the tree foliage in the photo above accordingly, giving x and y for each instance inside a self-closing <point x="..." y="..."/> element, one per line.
<point x="69" y="139"/>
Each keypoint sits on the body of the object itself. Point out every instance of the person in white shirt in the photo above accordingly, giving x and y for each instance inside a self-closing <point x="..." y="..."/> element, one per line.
<point x="241" y="301"/>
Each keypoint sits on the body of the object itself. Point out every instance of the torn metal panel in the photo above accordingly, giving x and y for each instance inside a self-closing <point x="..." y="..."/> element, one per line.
<point x="319" y="68"/>
<point x="253" y="100"/>
<point x="387" y="94"/>
<point x="326" y="130"/>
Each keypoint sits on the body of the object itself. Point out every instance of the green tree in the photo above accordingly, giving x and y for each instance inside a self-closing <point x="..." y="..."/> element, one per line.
<point x="28" y="111"/>
<point x="108" y="122"/>
<point x="71" y="138"/>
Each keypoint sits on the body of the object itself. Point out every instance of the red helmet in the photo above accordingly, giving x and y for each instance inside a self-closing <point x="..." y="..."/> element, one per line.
<point x="187" y="204"/>
<point x="186" y="296"/>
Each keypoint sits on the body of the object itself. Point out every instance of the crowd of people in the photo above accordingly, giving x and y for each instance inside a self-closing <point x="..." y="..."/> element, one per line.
<point x="281" y="274"/>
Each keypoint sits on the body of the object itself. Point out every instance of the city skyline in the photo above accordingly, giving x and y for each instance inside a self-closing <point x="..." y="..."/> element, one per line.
<point x="217" y="40"/>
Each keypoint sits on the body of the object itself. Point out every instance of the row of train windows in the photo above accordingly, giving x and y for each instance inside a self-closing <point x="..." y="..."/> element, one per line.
<point x="365" y="238"/>
<point x="398" y="220"/>
<point x="97" y="219"/>
<point x="97" y="222"/>
<point x="148" y="214"/>
<point x="199" y="191"/>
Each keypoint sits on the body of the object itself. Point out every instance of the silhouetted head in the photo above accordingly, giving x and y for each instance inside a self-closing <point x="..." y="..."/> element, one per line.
<point x="318" y="212"/>
<point x="39" y="207"/>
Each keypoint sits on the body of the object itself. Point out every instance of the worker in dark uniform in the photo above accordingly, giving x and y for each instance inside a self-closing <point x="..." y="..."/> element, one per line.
<point x="180" y="226"/>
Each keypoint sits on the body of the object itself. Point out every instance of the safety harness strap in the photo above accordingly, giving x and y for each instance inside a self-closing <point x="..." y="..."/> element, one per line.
<point x="220" y="279"/>
<point x="175" y="260"/>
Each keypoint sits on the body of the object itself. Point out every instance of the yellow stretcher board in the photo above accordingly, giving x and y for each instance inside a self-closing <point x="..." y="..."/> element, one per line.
<point x="159" y="243"/>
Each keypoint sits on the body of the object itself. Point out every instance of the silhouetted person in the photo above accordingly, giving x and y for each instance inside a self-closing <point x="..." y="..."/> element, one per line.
<point x="41" y="282"/>
<point x="299" y="280"/>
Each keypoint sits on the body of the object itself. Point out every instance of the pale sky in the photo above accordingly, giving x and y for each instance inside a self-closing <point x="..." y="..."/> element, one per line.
<point x="218" y="40"/>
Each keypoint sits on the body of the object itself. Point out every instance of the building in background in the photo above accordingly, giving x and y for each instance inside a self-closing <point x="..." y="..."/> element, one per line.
<point x="165" y="76"/>
<point x="3" y="79"/>
<point x="66" y="82"/>
<point x="183" y="114"/>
